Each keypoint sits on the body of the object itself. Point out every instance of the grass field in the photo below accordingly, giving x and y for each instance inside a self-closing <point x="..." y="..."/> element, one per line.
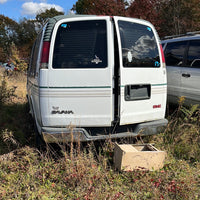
<point x="86" y="171"/>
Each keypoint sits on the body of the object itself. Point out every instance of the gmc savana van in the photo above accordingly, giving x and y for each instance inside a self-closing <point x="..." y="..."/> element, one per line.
<point x="104" y="76"/>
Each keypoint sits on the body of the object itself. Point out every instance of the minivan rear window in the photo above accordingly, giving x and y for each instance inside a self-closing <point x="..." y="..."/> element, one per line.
<point x="193" y="57"/>
<point x="139" y="47"/>
<point x="81" y="44"/>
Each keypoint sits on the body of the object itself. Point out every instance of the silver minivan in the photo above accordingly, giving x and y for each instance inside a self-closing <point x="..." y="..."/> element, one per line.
<point x="182" y="54"/>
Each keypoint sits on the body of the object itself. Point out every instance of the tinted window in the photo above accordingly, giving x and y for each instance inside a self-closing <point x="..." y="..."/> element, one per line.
<point x="81" y="44"/>
<point x="139" y="47"/>
<point x="193" y="58"/>
<point x="174" y="53"/>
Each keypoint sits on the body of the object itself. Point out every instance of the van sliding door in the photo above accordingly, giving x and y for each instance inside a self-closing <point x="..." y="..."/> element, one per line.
<point x="142" y="78"/>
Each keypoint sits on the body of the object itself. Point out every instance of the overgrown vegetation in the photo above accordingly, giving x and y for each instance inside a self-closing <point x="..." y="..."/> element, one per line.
<point x="14" y="118"/>
<point x="182" y="137"/>
<point x="5" y="92"/>
<point x="75" y="171"/>
<point x="28" y="174"/>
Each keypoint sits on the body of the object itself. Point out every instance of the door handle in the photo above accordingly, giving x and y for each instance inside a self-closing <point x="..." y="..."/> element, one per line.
<point x="186" y="75"/>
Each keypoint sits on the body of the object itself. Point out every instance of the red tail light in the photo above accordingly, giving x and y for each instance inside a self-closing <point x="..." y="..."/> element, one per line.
<point x="45" y="55"/>
<point x="162" y="54"/>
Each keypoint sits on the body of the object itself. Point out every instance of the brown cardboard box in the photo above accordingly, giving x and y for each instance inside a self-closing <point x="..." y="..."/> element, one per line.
<point x="144" y="157"/>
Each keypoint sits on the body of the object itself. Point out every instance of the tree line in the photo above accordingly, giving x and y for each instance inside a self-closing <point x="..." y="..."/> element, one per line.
<point x="170" y="17"/>
<point x="17" y="38"/>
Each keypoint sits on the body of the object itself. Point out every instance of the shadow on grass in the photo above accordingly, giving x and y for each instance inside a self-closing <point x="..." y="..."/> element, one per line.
<point x="16" y="123"/>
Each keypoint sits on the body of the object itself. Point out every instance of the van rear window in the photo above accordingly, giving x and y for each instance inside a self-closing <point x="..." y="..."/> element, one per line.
<point x="81" y="44"/>
<point x="139" y="47"/>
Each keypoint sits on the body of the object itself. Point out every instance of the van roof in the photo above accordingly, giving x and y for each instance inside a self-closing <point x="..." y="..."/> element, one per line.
<point x="52" y="21"/>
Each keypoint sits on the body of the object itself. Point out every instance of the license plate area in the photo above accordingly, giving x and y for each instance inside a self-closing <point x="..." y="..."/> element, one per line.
<point x="137" y="92"/>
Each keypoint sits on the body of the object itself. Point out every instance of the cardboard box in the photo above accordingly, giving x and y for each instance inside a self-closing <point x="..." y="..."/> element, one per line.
<point x="144" y="157"/>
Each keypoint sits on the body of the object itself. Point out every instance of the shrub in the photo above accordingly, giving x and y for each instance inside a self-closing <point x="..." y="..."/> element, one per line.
<point x="182" y="135"/>
<point x="20" y="64"/>
<point x="5" y="92"/>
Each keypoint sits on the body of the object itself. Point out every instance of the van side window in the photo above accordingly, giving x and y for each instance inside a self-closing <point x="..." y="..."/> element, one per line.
<point x="35" y="55"/>
<point x="81" y="44"/>
<point x="174" y="53"/>
<point x="193" y="58"/>
<point x="139" y="47"/>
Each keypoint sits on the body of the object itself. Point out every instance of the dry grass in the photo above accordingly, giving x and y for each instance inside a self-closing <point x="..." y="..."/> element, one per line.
<point x="16" y="80"/>
<point x="14" y="117"/>
<point x="28" y="174"/>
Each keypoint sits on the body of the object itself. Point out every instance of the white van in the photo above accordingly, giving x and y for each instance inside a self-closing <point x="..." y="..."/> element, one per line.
<point x="104" y="76"/>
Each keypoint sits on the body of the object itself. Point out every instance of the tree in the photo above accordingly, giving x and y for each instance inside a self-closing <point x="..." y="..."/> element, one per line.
<point x="19" y="36"/>
<point x="16" y="59"/>
<point x="26" y="37"/>
<point x="48" y="13"/>
<point x="100" y="7"/>
<point x="8" y="34"/>
<point x="180" y="16"/>
<point x="82" y="6"/>
<point x="144" y="9"/>
<point x="168" y="16"/>
<point x="147" y="10"/>
<point x="26" y="31"/>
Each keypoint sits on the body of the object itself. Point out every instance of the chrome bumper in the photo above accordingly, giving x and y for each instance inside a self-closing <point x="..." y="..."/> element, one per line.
<point x="57" y="134"/>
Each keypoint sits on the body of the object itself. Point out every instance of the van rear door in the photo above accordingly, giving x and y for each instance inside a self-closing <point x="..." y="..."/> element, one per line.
<point x="80" y="74"/>
<point x="142" y="76"/>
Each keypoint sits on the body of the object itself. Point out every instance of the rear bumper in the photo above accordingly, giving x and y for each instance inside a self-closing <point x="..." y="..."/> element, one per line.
<point x="57" y="134"/>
